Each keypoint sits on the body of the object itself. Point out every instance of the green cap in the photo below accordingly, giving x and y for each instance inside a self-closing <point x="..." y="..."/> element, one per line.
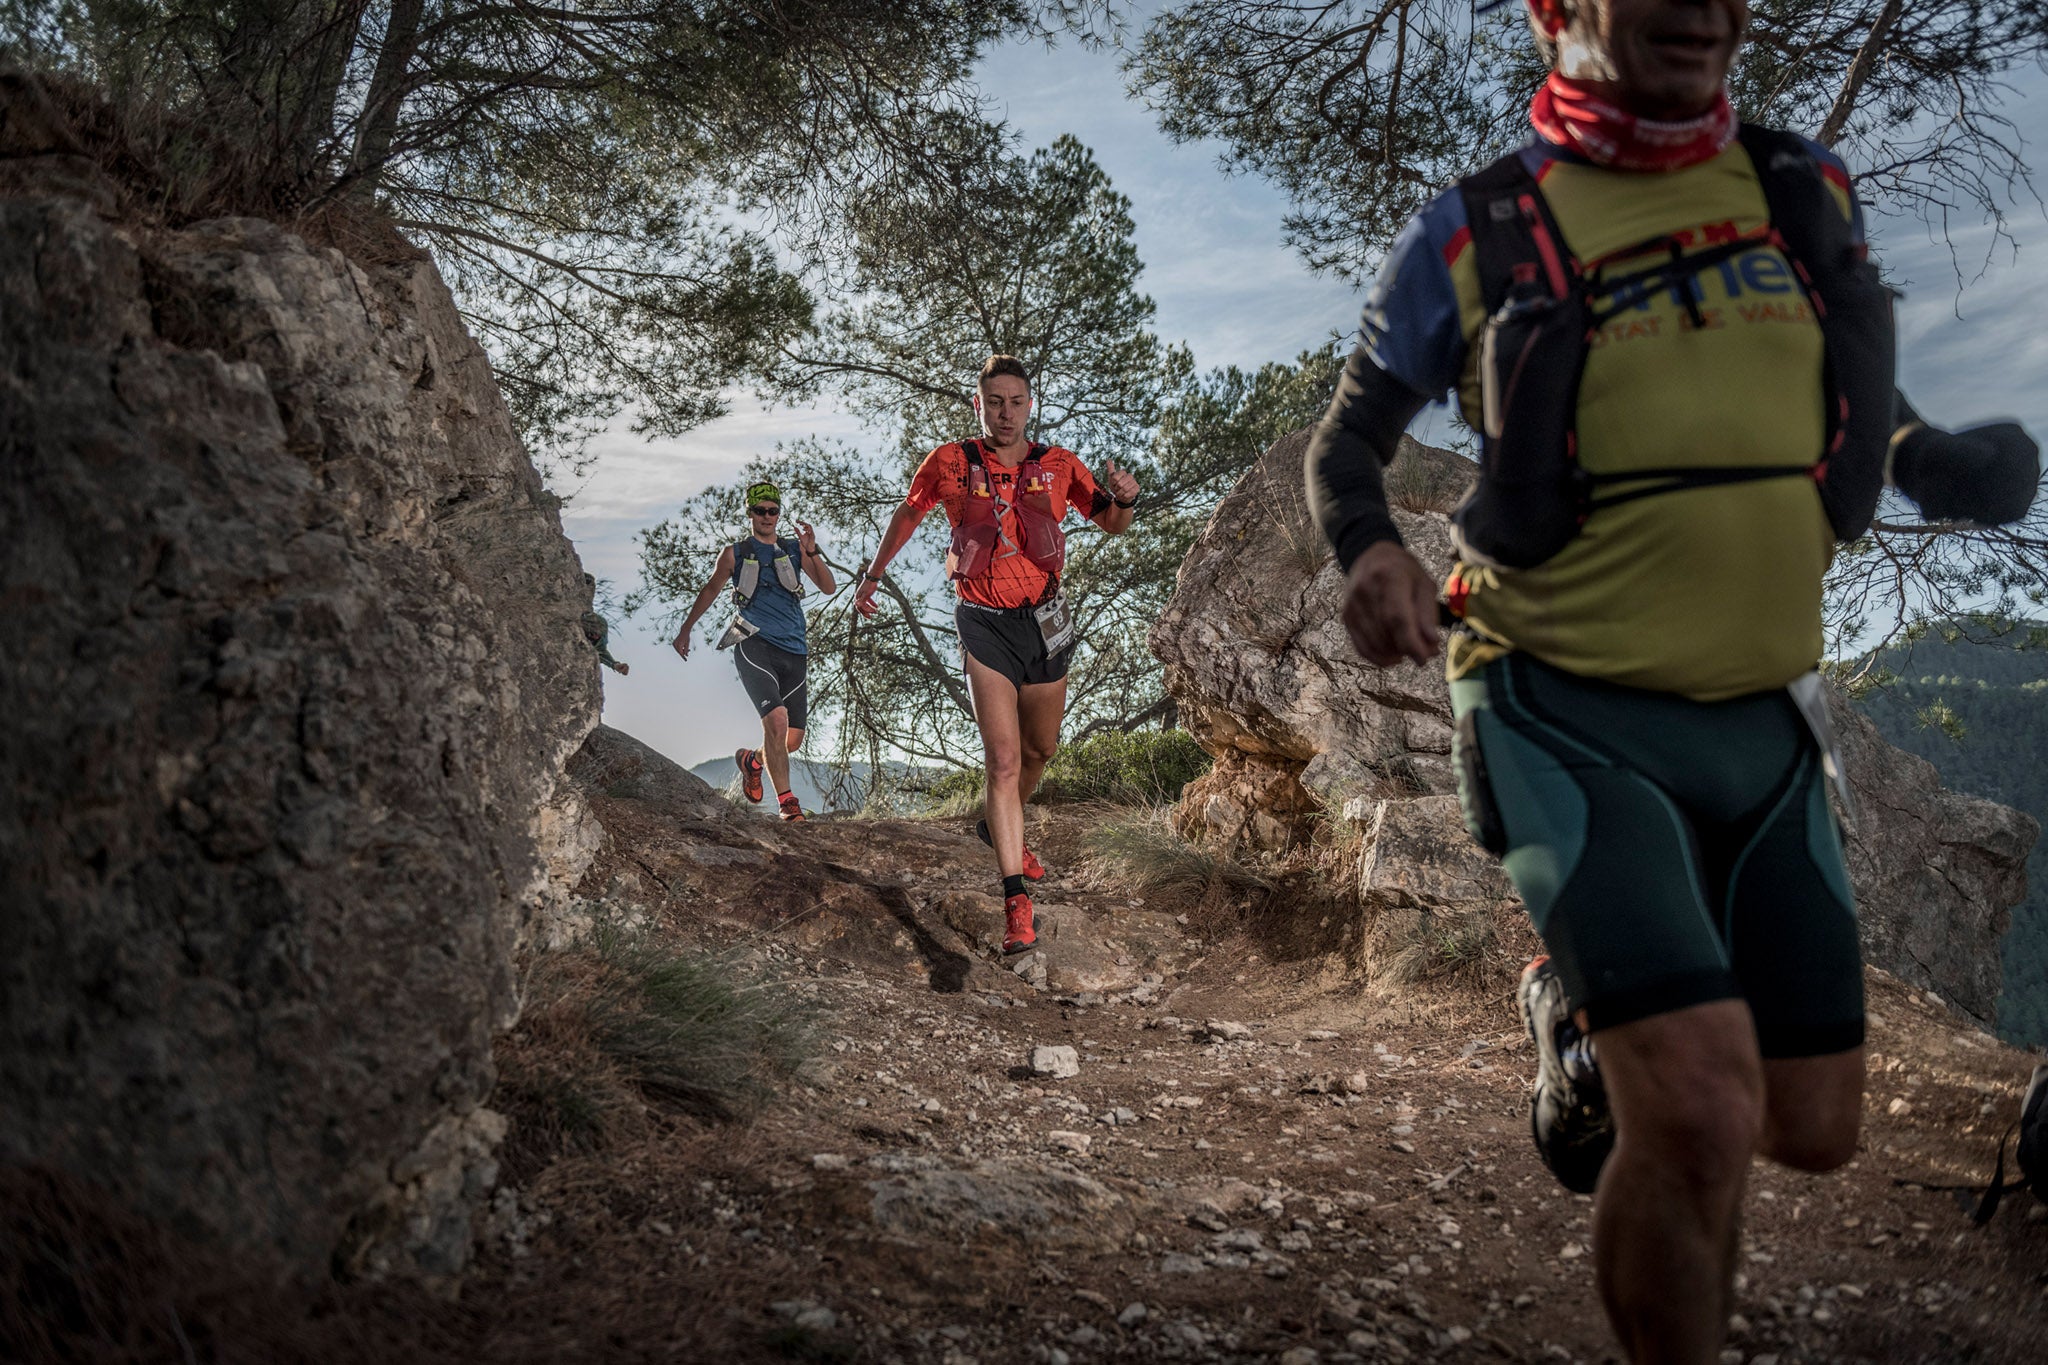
<point x="758" y="492"/>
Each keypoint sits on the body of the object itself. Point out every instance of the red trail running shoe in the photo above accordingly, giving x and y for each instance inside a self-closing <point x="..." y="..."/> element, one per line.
<point x="749" y="761"/>
<point x="1020" y="925"/>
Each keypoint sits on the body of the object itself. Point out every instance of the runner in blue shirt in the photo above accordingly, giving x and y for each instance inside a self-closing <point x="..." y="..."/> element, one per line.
<point x="767" y="637"/>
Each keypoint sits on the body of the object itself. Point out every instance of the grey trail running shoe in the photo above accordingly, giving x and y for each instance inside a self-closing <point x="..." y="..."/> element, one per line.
<point x="1568" y="1116"/>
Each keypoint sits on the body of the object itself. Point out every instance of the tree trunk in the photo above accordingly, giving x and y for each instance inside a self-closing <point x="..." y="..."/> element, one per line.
<point x="1859" y="74"/>
<point x="388" y="89"/>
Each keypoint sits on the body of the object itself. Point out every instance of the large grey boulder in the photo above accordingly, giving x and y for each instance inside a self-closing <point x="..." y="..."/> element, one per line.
<point x="291" y="665"/>
<point x="1266" y="679"/>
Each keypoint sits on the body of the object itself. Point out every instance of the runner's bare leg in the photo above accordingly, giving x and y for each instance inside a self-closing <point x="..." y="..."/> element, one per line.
<point x="1039" y="709"/>
<point x="775" y="746"/>
<point x="1813" y="1107"/>
<point x="1688" y="1095"/>
<point x="996" y="712"/>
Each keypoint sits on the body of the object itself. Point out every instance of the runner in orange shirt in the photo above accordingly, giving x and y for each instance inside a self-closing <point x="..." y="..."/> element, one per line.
<point x="1005" y="498"/>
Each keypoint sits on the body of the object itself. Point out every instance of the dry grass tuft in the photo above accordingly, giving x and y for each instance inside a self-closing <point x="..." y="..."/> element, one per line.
<point x="1137" y="847"/>
<point x="626" y="1028"/>
<point x="1406" y="948"/>
<point x="1415" y="483"/>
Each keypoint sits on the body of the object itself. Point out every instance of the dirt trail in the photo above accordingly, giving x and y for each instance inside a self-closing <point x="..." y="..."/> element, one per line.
<point x="1256" y="1160"/>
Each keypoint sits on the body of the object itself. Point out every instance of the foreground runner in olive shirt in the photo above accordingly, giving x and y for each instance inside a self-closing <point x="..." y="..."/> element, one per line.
<point x="1008" y="617"/>
<point x="1626" y="736"/>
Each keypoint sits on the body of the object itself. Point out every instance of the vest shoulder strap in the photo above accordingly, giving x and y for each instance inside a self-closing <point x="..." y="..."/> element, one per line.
<point x="1503" y="209"/>
<point x="1796" y="198"/>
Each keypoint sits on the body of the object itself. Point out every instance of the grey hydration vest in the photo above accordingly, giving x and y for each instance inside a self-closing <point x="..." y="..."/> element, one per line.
<point x="746" y="570"/>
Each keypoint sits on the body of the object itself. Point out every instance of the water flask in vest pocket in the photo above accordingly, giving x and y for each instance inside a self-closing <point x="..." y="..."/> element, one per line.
<point x="1531" y="494"/>
<point x="974" y="549"/>
<point x="740" y="629"/>
<point x="1045" y="544"/>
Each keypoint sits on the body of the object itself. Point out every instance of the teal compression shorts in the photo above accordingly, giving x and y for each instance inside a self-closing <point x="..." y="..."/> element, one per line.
<point x="1670" y="852"/>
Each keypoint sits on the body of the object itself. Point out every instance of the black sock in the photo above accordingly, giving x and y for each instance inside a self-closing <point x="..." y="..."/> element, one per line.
<point x="1013" y="886"/>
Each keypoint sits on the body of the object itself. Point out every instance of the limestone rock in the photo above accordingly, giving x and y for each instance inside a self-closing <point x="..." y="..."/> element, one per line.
<point x="1936" y="872"/>
<point x="618" y="765"/>
<point x="1417" y="852"/>
<point x="1266" y="678"/>
<point x="1004" y="1201"/>
<point x="293" y="666"/>
<point x="1057" y="1062"/>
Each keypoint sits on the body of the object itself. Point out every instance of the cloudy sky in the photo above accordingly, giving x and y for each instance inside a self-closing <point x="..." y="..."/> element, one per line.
<point x="1225" y="284"/>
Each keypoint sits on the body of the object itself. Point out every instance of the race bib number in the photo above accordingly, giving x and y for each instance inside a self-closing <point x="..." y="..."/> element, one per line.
<point x="1055" y="624"/>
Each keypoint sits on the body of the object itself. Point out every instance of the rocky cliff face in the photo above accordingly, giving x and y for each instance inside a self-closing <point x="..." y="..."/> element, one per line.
<point x="291" y="666"/>
<point x="1267" y="680"/>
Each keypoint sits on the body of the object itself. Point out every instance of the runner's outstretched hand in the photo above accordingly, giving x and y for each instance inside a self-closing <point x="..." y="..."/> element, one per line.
<point x="806" y="538"/>
<point x="864" y="595"/>
<point x="1390" y="606"/>
<point x="1987" y="474"/>
<point x="1122" y="486"/>
<point x="681" y="644"/>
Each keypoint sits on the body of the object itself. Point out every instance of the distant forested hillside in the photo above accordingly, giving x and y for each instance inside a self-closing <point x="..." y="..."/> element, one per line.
<point x="1976" y="707"/>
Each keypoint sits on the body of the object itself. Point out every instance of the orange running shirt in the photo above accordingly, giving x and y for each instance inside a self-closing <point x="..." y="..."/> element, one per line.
<point x="1013" y="580"/>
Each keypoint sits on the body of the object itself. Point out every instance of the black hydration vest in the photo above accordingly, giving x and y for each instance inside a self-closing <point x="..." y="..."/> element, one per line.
<point x="1543" y="312"/>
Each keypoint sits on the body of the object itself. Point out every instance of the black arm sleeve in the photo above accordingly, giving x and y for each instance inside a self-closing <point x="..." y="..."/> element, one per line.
<point x="1355" y="439"/>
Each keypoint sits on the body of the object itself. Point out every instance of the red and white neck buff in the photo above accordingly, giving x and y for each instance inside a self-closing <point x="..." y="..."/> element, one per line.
<point x="1568" y="113"/>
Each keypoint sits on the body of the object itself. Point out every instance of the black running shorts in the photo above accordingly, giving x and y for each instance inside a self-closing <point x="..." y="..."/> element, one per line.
<point x="1669" y="851"/>
<point x="774" y="677"/>
<point x="1008" y="640"/>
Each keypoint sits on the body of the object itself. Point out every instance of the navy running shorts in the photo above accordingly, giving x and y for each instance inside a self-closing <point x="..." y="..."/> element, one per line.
<point x="774" y="677"/>
<point x="1670" y="851"/>
<point x="1008" y="640"/>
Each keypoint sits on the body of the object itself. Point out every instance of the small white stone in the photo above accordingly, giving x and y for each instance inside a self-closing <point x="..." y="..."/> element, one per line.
<point x="1058" y="1061"/>
<point x="1132" y="1315"/>
<point x="830" y="1161"/>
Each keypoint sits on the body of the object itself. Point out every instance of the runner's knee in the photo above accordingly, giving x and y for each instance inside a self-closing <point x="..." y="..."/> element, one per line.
<point x="775" y="725"/>
<point x="793" y="739"/>
<point x="1040" y="754"/>
<point x="1688" y="1088"/>
<point x="1814" y="1111"/>
<point x="1005" y="763"/>
<point x="1814" y="1143"/>
<point x="1708" y="1132"/>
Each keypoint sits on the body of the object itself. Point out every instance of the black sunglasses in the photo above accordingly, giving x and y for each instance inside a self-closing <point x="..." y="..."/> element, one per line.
<point x="766" y="511"/>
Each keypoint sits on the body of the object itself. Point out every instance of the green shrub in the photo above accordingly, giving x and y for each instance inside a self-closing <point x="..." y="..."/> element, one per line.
<point x="1144" y="768"/>
<point x="957" y="793"/>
